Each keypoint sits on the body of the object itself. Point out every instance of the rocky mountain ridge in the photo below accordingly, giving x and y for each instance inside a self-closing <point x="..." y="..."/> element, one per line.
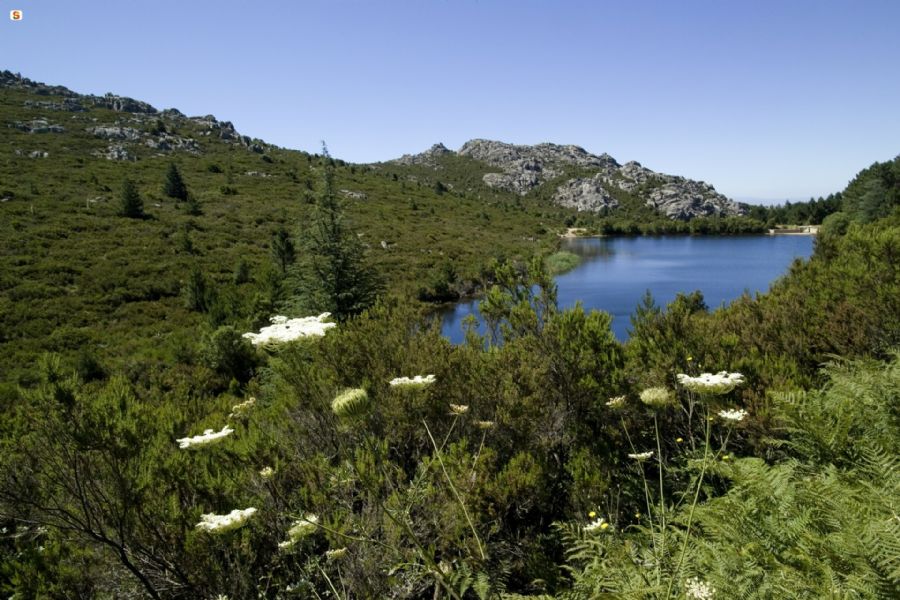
<point x="140" y="124"/>
<point x="522" y="168"/>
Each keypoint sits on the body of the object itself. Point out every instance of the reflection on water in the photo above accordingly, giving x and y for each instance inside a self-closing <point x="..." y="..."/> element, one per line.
<point x="616" y="272"/>
<point x="589" y="248"/>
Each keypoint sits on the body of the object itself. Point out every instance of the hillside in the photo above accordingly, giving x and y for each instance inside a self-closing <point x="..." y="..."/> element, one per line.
<point x="149" y="449"/>
<point x="76" y="278"/>
<point x="585" y="181"/>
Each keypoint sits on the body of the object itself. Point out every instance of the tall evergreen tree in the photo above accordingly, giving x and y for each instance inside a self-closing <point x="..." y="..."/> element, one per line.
<point x="132" y="205"/>
<point x="283" y="251"/>
<point x="339" y="281"/>
<point x="174" y="186"/>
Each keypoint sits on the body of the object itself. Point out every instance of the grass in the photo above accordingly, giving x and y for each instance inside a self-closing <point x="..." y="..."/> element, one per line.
<point x="562" y="262"/>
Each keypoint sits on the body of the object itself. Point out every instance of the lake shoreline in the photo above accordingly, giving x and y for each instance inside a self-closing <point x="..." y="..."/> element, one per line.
<point x="616" y="271"/>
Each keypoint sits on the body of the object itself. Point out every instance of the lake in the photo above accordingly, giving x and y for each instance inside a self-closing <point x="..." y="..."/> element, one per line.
<point x="615" y="273"/>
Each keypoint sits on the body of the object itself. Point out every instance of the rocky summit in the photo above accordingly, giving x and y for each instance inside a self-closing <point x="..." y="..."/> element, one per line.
<point x="136" y="124"/>
<point x="585" y="181"/>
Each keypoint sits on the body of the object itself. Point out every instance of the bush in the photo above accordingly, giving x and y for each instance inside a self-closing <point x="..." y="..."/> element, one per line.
<point x="228" y="354"/>
<point x="131" y="204"/>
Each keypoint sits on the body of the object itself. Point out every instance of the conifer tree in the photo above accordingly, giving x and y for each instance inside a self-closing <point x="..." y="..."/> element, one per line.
<point x="132" y="205"/>
<point x="283" y="251"/>
<point x="338" y="282"/>
<point x="174" y="186"/>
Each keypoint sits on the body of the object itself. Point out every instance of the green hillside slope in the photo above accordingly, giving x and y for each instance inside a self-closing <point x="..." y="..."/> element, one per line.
<point x="76" y="277"/>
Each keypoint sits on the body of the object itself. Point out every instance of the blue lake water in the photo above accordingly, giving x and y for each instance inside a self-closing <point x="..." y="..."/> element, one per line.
<point x="616" y="272"/>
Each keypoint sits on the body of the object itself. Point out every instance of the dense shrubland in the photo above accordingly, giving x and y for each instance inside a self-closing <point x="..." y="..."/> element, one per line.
<point x="545" y="458"/>
<point x="495" y="477"/>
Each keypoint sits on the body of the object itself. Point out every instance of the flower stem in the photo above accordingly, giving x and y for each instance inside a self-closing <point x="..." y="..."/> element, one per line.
<point x="455" y="492"/>
<point x="662" y="496"/>
<point x="687" y="533"/>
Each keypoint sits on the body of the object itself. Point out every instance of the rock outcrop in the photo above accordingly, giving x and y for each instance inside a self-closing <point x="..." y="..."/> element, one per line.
<point x="594" y="180"/>
<point x="585" y="194"/>
<point x="122" y="104"/>
<point x="38" y="126"/>
<point x="136" y="125"/>
<point x="425" y="158"/>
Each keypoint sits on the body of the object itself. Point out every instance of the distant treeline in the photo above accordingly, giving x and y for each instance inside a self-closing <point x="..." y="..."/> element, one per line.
<point x="812" y="212"/>
<point x="871" y="195"/>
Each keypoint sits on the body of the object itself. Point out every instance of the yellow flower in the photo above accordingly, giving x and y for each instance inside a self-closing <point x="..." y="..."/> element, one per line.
<point x="604" y="525"/>
<point x="679" y="440"/>
<point x="637" y="515"/>
<point x="690" y="358"/>
<point x="592" y="514"/>
<point x="726" y="457"/>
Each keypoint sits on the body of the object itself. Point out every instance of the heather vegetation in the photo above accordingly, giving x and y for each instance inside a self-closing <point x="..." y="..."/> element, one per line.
<point x="246" y="398"/>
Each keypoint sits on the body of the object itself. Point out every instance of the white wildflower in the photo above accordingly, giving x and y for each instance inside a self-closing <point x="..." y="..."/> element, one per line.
<point x="709" y="383"/>
<point x="657" y="397"/>
<point x="616" y="402"/>
<point x="350" y="403"/>
<point x="241" y="410"/>
<point x="266" y="472"/>
<point x="222" y="523"/>
<point x="695" y="589"/>
<point x="733" y="415"/>
<point x="641" y="456"/>
<point x="417" y="381"/>
<point x="300" y="528"/>
<point x="484" y="424"/>
<point x="598" y="523"/>
<point x="458" y="409"/>
<point x="207" y="437"/>
<point x="283" y="329"/>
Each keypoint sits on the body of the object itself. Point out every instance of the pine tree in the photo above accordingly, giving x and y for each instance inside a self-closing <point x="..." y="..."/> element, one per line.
<point x="132" y="205"/>
<point x="339" y="282"/>
<point x="197" y="293"/>
<point x="174" y="186"/>
<point x="283" y="251"/>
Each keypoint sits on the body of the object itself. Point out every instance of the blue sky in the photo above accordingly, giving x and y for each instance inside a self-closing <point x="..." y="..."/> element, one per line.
<point x="765" y="100"/>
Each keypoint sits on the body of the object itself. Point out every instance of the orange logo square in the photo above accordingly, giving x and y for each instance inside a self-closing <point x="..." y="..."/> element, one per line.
<point x="15" y="15"/>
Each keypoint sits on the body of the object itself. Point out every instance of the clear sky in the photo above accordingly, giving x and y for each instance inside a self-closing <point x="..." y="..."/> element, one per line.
<point x="765" y="100"/>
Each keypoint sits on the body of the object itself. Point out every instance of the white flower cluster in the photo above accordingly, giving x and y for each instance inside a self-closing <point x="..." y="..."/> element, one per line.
<point x="709" y="383"/>
<point x="300" y="528"/>
<point x="208" y="437"/>
<point x="657" y="397"/>
<point x="484" y="424"/>
<point x="241" y="410"/>
<point x="598" y="523"/>
<point x="222" y="523"/>
<point x="458" y="409"/>
<point x="695" y="589"/>
<point x="417" y="381"/>
<point x="641" y="456"/>
<point x="616" y="402"/>
<point x="733" y="415"/>
<point x="266" y="472"/>
<point x="350" y="402"/>
<point x="283" y="329"/>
